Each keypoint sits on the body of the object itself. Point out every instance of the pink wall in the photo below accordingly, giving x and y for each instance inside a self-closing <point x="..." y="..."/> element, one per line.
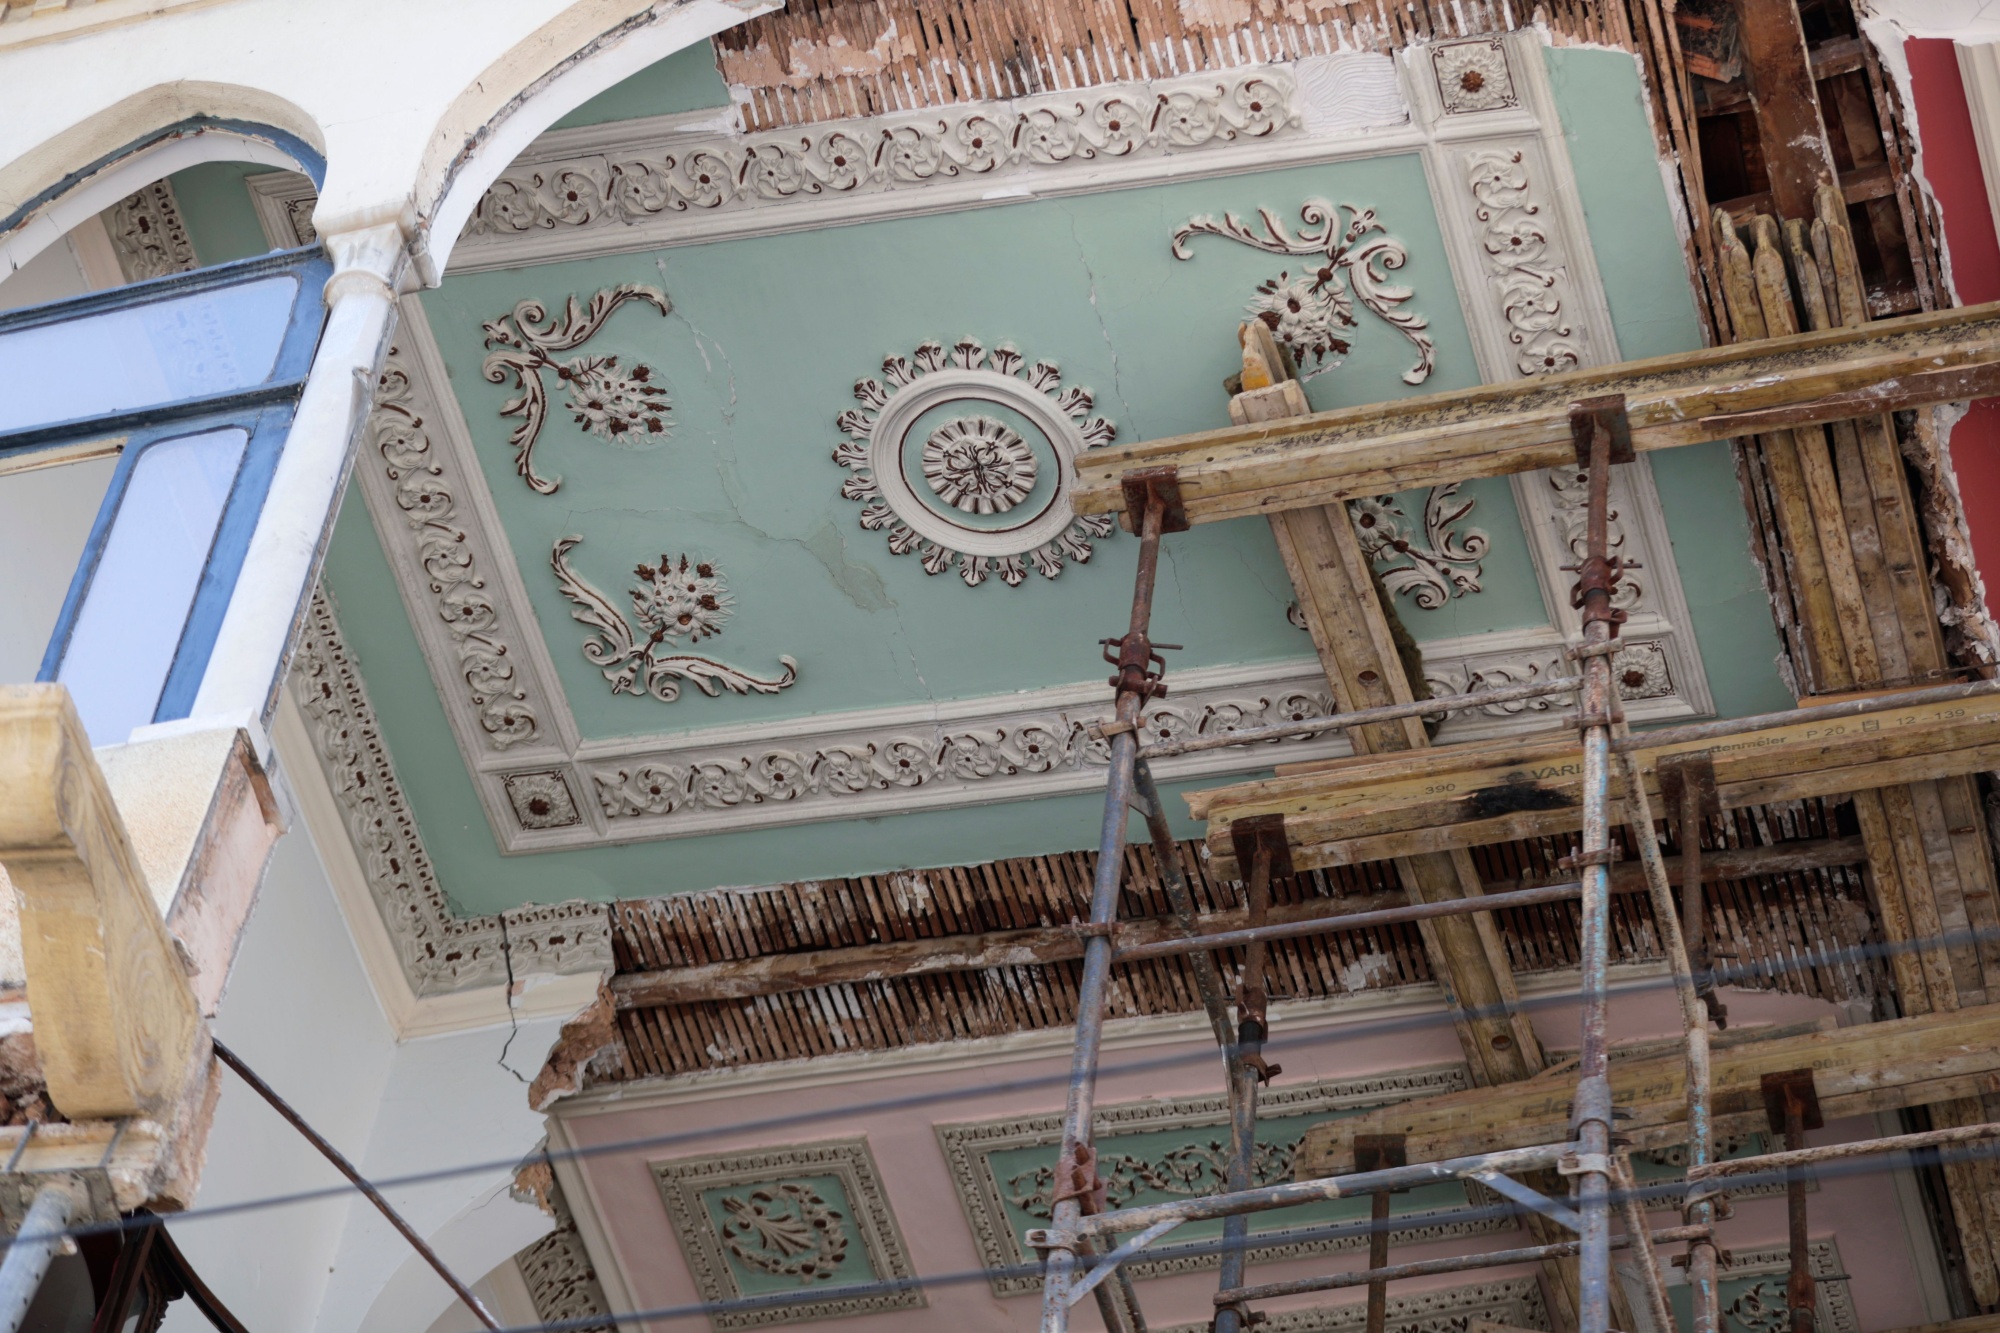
<point x="897" y="1109"/>
<point x="1950" y="161"/>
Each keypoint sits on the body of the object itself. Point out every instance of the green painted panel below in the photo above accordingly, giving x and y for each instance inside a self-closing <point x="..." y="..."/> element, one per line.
<point x="800" y="1232"/>
<point x="1725" y="594"/>
<point x="1164" y="1166"/>
<point x="687" y="80"/>
<point x="216" y="207"/>
<point x="478" y="879"/>
<point x="1618" y="174"/>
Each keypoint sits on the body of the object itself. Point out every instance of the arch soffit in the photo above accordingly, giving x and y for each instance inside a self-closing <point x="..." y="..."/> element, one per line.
<point x="144" y="137"/>
<point x="550" y="73"/>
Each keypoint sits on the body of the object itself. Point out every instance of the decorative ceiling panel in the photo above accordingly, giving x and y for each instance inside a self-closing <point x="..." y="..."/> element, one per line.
<point x="781" y="1221"/>
<point x="1150" y="1152"/>
<point x="674" y="576"/>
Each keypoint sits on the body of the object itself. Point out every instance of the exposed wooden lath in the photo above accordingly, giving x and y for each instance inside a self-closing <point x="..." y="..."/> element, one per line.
<point x="1787" y="932"/>
<point x="824" y="59"/>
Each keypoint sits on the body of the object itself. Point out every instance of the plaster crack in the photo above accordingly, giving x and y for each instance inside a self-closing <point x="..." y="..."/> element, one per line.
<point x="702" y="342"/>
<point x="513" y="1018"/>
<point x="1097" y="313"/>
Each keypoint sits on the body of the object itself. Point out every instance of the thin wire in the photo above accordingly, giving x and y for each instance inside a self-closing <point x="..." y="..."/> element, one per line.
<point x="1376" y="1027"/>
<point x="1649" y="1194"/>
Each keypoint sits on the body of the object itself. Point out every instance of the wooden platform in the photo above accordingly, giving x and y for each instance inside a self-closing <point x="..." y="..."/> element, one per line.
<point x="1497" y="429"/>
<point x="1376" y="807"/>
<point x="1856" y="1071"/>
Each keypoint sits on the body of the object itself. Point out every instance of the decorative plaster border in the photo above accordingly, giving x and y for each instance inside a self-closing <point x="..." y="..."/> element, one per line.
<point x="1511" y="1302"/>
<point x="438" y="952"/>
<point x="967" y="1148"/>
<point x="682" y="1180"/>
<point x="671" y="180"/>
<point x="284" y="203"/>
<point x="1835" y="1312"/>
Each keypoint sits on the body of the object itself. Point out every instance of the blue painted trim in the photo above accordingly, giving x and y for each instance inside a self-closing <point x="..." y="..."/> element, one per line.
<point x="304" y="154"/>
<point x="288" y="369"/>
<point x="267" y="429"/>
<point x="308" y="261"/>
<point x="225" y="562"/>
<point x="141" y="420"/>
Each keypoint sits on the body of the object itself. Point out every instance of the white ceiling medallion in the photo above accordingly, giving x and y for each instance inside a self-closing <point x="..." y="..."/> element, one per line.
<point x="970" y="457"/>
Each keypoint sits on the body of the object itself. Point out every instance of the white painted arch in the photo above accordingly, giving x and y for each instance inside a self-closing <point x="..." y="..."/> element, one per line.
<point x="414" y="108"/>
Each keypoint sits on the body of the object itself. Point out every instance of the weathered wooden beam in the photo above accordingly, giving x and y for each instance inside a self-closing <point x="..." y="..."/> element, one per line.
<point x="1498" y="429"/>
<point x="1785" y="101"/>
<point x="1856" y="1071"/>
<point x="774" y="974"/>
<point x="1371" y="808"/>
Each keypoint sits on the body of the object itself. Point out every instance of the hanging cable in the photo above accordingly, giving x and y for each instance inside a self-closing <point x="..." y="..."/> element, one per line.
<point x="346" y="1168"/>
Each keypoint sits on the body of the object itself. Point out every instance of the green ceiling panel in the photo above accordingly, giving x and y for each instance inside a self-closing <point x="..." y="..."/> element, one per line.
<point x="760" y="354"/>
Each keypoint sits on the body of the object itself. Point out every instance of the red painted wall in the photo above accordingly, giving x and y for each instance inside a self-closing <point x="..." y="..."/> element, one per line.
<point x="1950" y="160"/>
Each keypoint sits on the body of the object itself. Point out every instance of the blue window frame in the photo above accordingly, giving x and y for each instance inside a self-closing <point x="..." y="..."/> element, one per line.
<point x="194" y="380"/>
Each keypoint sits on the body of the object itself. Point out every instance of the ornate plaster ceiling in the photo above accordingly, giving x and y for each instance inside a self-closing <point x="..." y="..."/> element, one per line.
<point x="722" y="486"/>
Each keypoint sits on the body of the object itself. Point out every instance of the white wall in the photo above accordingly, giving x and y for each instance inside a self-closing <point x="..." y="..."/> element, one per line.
<point x="300" y="1012"/>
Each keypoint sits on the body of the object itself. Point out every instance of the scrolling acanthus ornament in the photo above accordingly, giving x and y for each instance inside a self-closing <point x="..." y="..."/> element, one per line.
<point x="973" y="465"/>
<point x="620" y="406"/>
<point x="1308" y="311"/>
<point x="913" y="760"/>
<point x="399" y="435"/>
<point x="1521" y="262"/>
<point x="1443" y="564"/>
<point x="883" y="155"/>
<point x="674" y="601"/>
<point x="1189" y="1170"/>
<point x="1572" y="511"/>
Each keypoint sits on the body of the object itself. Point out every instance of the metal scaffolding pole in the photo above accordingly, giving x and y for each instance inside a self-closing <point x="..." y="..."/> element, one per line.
<point x="1079" y="1224"/>
<point x="1077" y="1182"/>
<point x="1592" y="425"/>
<point x="1698" y="1211"/>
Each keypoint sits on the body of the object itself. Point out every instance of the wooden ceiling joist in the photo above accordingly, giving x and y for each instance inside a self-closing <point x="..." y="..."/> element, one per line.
<point x="1499" y="429"/>
<point x="778" y="973"/>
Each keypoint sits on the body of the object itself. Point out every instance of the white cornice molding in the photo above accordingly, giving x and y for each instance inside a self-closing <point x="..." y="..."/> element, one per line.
<point x="1979" y="70"/>
<point x="647" y="184"/>
<point x="374" y="853"/>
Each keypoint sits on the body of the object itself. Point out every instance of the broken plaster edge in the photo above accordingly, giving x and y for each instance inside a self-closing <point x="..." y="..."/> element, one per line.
<point x="409" y="1015"/>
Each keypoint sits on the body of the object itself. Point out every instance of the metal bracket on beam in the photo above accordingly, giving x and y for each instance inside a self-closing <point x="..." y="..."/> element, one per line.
<point x="1677" y="771"/>
<point x="1794" y="1086"/>
<point x="1608" y="411"/>
<point x="1140" y="486"/>
<point x="1261" y="832"/>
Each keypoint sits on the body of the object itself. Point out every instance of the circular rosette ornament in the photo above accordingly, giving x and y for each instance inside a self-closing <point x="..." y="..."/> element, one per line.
<point x="968" y="458"/>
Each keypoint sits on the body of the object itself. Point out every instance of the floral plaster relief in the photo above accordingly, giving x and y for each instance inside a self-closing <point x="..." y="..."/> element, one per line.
<point x="676" y="601"/>
<point x="1311" y="310"/>
<point x="618" y="404"/>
